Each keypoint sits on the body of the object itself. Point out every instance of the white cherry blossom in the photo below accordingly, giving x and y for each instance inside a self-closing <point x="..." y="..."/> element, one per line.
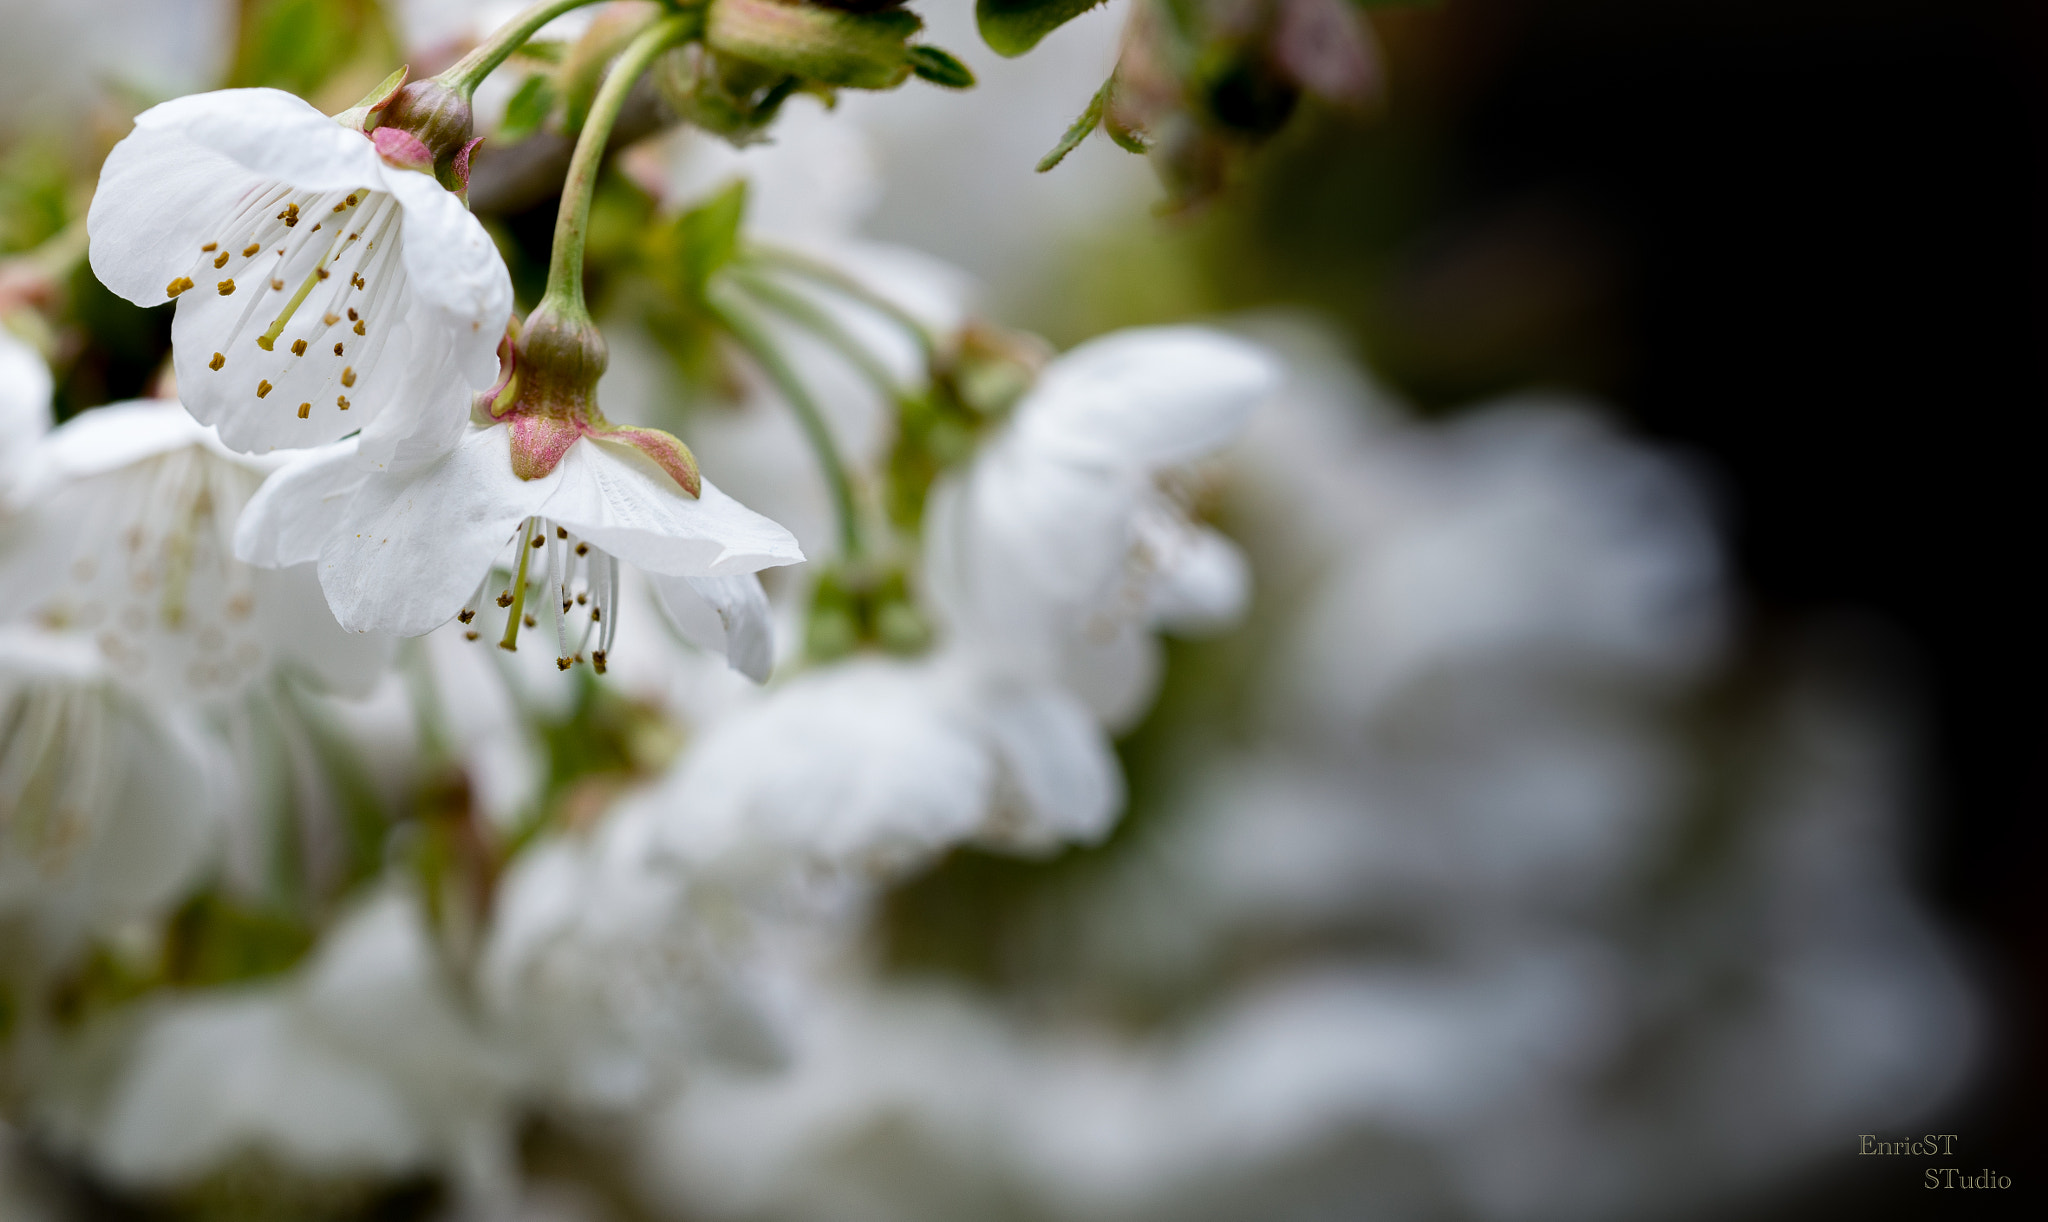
<point x="125" y="522"/>
<point x="405" y="549"/>
<point x="24" y="404"/>
<point x="322" y="289"/>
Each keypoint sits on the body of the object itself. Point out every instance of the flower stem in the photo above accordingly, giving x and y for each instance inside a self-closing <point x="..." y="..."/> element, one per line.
<point x="572" y="224"/>
<point x="763" y="350"/>
<point x="470" y="71"/>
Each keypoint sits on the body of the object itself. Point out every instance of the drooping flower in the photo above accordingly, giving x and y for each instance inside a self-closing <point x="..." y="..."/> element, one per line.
<point x="1059" y="551"/>
<point x="125" y="528"/>
<point x="542" y="485"/>
<point x="326" y="281"/>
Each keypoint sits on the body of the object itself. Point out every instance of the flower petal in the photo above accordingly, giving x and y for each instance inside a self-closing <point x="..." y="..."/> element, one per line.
<point x="727" y="615"/>
<point x="617" y="498"/>
<point x="415" y="541"/>
<point x="1059" y="767"/>
<point x="167" y="187"/>
<point x="25" y="388"/>
<point x="299" y="506"/>
<point x="455" y="269"/>
<point x="1147" y="397"/>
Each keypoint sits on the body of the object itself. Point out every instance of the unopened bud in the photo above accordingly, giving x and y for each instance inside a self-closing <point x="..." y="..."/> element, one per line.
<point x="438" y="116"/>
<point x="826" y="45"/>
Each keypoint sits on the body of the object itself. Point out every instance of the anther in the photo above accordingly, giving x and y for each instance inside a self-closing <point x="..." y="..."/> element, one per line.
<point x="251" y="249"/>
<point x="470" y="635"/>
<point x="529" y="620"/>
<point x="562" y="663"/>
<point x="330" y="319"/>
<point x="357" y="280"/>
<point x="340" y="207"/>
<point x="314" y="229"/>
<point x="561" y="532"/>
<point x="321" y="272"/>
<point x="209" y="248"/>
<point x="505" y="599"/>
<point x="221" y="260"/>
<point x="351" y="313"/>
<point x="262" y="389"/>
<point x="177" y="286"/>
<point x="276" y="286"/>
<point x="341" y="401"/>
<point x="225" y="287"/>
<point x="217" y="361"/>
<point x="351" y="200"/>
<point x="597" y="660"/>
<point x="596" y="614"/>
<point x="539" y="540"/>
<point x="359" y="326"/>
<point x="466" y="615"/>
<point x="337" y="350"/>
<point x="581" y="599"/>
<point x="298" y="347"/>
<point x="348" y="375"/>
<point x="583" y="549"/>
<point x="305" y="410"/>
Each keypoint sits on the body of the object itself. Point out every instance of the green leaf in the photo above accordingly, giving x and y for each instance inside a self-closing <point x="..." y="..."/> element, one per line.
<point x="1012" y="27"/>
<point x="940" y="68"/>
<point x="709" y="235"/>
<point x="529" y="107"/>
<point x="1090" y="119"/>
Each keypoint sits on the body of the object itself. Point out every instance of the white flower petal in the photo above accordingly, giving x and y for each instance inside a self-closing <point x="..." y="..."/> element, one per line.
<point x="299" y="506"/>
<point x="414" y="542"/>
<point x="862" y="764"/>
<point x="1201" y="583"/>
<point x="728" y="615"/>
<point x="25" y="388"/>
<point x="618" y="499"/>
<point x="292" y="611"/>
<point x="454" y="266"/>
<point x="1147" y="397"/>
<point x="216" y="1076"/>
<point x="1058" y="763"/>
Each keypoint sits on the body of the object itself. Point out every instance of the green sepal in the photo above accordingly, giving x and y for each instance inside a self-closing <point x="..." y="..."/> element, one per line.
<point x="1012" y="27"/>
<point x="940" y="68"/>
<point x="1091" y="118"/>
<point x="358" y="116"/>
<point x="826" y="45"/>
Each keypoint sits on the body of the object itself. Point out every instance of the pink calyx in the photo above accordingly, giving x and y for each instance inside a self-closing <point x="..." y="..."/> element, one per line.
<point x="402" y="149"/>
<point x="539" y="440"/>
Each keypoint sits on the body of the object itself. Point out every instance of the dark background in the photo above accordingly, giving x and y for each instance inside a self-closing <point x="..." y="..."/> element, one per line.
<point x="1803" y="241"/>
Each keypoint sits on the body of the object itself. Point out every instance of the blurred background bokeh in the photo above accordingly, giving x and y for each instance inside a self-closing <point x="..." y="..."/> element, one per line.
<point x="1796" y="244"/>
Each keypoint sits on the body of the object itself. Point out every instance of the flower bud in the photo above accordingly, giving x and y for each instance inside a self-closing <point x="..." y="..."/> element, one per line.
<point x="436" y="115"/>
<point x="827" y="45"/>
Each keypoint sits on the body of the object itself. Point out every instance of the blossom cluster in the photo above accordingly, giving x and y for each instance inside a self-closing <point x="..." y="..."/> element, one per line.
<point x="423" y="766"/>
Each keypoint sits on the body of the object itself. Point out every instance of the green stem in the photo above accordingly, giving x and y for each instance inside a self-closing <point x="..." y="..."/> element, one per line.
<point x="763" y="350"/>
<point x="572" y="224"/>
<point x="470" y="71"/>
<point x="807" y="314"/>
<point x="832" y="278"/>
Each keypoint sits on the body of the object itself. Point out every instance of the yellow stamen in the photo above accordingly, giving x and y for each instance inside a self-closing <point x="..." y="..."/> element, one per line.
<point x="262" y="389"/>
<point x="217" y="361"/>
<point x="177" y="286"/>
<point x="209" y="248"/>
<point x="225" y="287"/>
<point x="298" y="347"/>
<point x="341" y="401"/>
<point x="305" y="410"/>
<point x="251" y="249"/>
<point x="348" y="375"/>
<point x="221" y="260"/>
